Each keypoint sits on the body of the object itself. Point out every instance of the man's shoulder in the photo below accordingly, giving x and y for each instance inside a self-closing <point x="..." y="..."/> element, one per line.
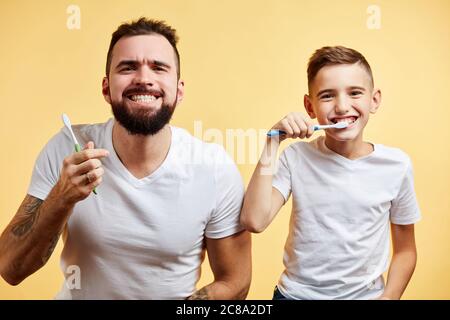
<point x="62" y="143"/>
<point x="96" y="132"/>
<point x="197" y="151"/>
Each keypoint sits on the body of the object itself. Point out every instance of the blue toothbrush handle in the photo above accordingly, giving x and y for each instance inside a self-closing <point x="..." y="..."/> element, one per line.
<point x="274" y="132"/>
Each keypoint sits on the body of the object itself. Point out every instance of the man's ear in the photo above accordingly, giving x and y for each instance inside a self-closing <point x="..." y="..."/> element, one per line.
<point x="105" y="90"/>
<point x="308" y="106"/>
<point x="180" y="91"/>
<point x="376" y="100"/>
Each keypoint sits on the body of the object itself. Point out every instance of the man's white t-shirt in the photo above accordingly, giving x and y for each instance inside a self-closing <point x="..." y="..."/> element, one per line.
<point x="142" y="238"/>
<point x="338" y="242"/>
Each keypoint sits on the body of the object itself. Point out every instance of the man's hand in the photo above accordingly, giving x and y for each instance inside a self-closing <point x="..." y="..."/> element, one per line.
<point x="81" y="173"/>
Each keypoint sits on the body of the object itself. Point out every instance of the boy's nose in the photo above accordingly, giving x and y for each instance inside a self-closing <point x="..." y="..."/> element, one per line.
<point x="342" y="106"/>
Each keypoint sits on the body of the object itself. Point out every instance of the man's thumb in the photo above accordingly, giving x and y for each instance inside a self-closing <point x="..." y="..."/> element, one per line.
<point x="89" y="145"/>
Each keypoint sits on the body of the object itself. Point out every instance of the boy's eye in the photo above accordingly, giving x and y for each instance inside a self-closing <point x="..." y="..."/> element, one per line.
<point x="356" y="93"/>
<point x="326" y="96"/>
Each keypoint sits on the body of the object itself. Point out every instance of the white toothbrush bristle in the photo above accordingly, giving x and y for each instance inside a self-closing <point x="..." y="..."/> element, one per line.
<point x="66" y="120"/>
<point x="67" y="123"/>
<point x="341" y="125"/>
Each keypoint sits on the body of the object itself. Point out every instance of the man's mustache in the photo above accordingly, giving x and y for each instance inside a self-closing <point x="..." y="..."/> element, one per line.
<point x="143" y="90"/>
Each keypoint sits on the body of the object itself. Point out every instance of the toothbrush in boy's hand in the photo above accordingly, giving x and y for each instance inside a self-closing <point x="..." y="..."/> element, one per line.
<point x="339" y="125"/>
<point x="68" y="125"/>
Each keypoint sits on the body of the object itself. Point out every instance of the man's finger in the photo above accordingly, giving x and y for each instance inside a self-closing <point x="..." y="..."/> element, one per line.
<point x="89" y="145"/>
<point x="86" y="154"/>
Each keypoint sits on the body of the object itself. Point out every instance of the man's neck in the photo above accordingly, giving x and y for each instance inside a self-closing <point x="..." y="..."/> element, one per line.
<point x="352" y="150"/>
<point x="140" y="154"/>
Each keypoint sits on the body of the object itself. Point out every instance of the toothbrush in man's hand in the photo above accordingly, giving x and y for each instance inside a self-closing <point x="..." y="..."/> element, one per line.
<point x="339" y="125"/>
<point x="68" y="125"/>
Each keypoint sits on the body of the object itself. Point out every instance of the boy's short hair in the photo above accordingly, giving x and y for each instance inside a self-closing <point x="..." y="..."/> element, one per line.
<point x="144" y="26"/>
<point x="327" y="56"/>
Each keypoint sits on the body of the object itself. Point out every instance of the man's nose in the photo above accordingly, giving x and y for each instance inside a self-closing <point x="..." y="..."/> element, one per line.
<point x="144" y="76"/>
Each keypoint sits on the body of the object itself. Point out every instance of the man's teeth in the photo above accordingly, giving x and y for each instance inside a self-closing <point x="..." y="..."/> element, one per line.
<point x="143" y="98"/>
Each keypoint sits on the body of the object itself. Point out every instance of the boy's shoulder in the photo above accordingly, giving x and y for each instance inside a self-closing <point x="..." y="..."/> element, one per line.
<point x="391" y="153"/>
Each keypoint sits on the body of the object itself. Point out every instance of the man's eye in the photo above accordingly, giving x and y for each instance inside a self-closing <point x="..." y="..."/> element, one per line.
<point x="159" y="69"/>
<point x="356" y="93"/>
<point x="128" y="68"/>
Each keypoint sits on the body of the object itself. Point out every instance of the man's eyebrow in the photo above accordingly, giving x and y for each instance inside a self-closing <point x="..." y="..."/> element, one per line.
<point x="157" y="63"/>
<point x="160" y="64"/>
<point x="127" y="63"/>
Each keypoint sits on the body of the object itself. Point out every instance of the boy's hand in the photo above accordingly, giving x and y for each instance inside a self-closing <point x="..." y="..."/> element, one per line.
<point x="296" y="125"/>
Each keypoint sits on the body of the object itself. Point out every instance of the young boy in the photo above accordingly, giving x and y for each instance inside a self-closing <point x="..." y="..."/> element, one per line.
<point x="346" y="192"/>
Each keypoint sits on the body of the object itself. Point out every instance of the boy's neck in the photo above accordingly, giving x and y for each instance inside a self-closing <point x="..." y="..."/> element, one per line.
<point x="352" y="149"/>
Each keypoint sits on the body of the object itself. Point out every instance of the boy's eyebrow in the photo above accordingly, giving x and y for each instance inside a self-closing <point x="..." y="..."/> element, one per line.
<point x="332" y="90"/>
<point x="359" y="88"/>
<point x="323" y="91"/>
<point x="135" y="62"/>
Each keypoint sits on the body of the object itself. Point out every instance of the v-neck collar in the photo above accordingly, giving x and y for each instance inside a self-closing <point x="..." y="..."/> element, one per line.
<point x="124" y="172"/>
<point x="323" y="147"/>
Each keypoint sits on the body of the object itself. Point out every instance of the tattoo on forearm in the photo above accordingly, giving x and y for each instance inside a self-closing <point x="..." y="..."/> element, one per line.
<point x="50" y="250"/>
<point x="30" y="208"/>
<point x="201" y="294"/>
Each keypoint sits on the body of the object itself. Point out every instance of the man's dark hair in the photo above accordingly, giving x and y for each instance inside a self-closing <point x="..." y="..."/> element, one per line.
<point x="144" y="26"/>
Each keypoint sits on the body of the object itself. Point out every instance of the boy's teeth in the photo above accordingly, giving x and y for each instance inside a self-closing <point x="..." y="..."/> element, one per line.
<point x="143" y="98"/>
<point x="348" y="120"/>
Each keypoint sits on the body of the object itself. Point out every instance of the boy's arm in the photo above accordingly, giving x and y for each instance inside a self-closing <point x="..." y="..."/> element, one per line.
<point x="403" y="261"/>
<point x="262" y="202"/>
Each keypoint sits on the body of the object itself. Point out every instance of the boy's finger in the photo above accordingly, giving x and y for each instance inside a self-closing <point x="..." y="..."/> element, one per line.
<point x="295" y="128"/>
<point x="310" y="129"/>
<point x="287" y="127"/>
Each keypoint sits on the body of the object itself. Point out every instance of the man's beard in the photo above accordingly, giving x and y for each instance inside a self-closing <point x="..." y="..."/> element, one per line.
<point x="143" y="122"/>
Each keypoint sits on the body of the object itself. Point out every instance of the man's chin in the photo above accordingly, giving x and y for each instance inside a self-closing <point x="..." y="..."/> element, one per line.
<point x="141" y="121"/>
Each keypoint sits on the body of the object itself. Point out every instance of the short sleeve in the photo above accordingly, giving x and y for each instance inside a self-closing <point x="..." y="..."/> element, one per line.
<point x="282" y="177"/>
<point x="229" y="194"/>
<point x="405" y="209"/>
<point x="48" y="166"/>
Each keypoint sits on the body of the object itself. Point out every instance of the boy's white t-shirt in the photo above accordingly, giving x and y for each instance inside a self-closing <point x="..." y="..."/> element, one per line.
<point x="142" y="238"/>
<point x="338" y="242"/>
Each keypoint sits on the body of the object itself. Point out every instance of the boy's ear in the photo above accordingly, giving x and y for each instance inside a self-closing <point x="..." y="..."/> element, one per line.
<point x="105" y="90"/>
<point x="376" y="100"/>
<point x="308" y="106"/>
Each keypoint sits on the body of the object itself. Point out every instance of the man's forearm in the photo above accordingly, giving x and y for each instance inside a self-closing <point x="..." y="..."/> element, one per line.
<point x="400" y="272"/>
<point x="29" y="240"/>
<point x="220" y="290"/>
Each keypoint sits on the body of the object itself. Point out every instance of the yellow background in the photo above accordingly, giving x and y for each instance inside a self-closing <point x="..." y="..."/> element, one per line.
<point x="244" y="64"/>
